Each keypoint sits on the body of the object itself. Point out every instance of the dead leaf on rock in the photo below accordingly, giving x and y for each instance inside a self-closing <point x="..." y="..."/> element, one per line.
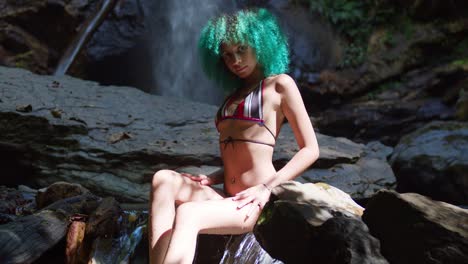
<point x="55" y="84"/>
<point x="57" y="113"/>
<point x="24" y="108"/>
<point x="114" y="138"/>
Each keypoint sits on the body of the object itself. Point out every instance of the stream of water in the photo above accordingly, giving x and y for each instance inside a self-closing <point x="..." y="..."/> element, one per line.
<point x="239" y="249"/>
<point x="246" y="250"/>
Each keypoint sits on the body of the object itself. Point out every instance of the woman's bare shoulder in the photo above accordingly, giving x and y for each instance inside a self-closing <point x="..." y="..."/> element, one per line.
<point x="280" y="82"/>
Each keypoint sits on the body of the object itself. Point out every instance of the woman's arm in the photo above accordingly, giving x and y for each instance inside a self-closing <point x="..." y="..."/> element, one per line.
<point x="294" y="110"/>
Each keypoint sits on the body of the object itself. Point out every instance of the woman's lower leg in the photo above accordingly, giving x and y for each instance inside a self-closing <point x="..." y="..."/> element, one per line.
<point x="162" y="213"/>
<point x="183" y="242"/>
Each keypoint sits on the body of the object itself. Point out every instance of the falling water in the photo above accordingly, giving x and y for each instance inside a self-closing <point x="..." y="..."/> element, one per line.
<point x="85" y="33"/>
<point x="246" y="250"/>
<point x="121" y="249"/>
<point x="176" y="26"/>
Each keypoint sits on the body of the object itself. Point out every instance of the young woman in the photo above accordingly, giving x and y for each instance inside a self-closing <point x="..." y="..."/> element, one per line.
<point x="245" y="51"/>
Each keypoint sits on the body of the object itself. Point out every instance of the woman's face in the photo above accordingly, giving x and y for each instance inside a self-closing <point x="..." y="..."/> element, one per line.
<point x="239" y="58"/>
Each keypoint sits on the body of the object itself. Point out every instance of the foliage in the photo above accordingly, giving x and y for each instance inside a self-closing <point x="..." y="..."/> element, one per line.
<point x="463" y="63"/>
<point x="22" y="60"/>
<point x="355" y="20"/>
<point x="461" y="50"/>
<point x="406" y="26"/>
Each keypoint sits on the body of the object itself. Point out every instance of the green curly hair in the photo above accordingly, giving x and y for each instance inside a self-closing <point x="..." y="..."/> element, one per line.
<point x="257" y="28"/>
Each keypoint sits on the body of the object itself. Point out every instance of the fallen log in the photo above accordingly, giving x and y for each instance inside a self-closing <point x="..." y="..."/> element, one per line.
<point x="27" y="238"/>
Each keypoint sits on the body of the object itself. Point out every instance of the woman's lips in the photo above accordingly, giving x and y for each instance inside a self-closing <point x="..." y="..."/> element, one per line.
<point x="241" y="69"/>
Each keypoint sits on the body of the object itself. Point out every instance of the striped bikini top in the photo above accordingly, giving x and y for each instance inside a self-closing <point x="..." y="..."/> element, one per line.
<point x="249" y="109"/>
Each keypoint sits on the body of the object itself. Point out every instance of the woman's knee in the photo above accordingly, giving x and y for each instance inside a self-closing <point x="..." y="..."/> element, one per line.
<point x="163" y="177"/>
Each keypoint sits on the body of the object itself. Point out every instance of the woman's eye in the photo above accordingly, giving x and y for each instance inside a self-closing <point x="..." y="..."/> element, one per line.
<point x="242" y="49"/>
<point x="226" y="56"/>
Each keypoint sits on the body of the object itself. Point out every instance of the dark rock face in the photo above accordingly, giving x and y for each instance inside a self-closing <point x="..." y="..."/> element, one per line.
<point x="34" y="34"/>
<point x="433" y="161"/>
<point x="401" y="85"/>
<point x="398" y="107"/>
<point x="415" y="229"/>
<point x="284" y="229"/>
<point x="427" y="10"/>
<point x="462" y="104"/>
<point x="342" y="239"/>
<point x="120" y="31"/>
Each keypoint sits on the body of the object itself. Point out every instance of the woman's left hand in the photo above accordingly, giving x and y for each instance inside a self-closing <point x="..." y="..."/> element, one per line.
<point x="257" y="195"/>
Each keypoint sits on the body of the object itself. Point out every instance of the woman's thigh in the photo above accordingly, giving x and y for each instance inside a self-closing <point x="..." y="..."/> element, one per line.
<point x="185" y="189"/>
<point x="220" y="216"/>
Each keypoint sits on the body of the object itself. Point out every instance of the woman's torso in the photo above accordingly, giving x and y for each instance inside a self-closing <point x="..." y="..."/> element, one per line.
<point x="245" y="163"/>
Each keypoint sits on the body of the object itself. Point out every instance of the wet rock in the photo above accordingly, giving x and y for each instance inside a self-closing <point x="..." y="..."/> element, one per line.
<point x="245" y="248"/>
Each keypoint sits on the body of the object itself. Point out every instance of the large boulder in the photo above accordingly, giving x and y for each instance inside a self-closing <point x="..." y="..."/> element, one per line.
<point x="415" y="229"/>
<point x="305" y="223"/>
<point x="433" y="161"/>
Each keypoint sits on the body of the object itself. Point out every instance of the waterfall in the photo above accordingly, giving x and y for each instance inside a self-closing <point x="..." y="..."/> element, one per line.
<point x="246" y="250"/>
<point x="121" y="249"/>
<point x="83" y="36"/>
<point x="175" y="28"/>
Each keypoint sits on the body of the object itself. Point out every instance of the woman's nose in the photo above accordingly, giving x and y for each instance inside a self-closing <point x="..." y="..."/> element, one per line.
<point x="237" y="59"/>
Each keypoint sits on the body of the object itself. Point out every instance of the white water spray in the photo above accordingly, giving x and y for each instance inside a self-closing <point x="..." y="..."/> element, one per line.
<point x="176" y="27"/>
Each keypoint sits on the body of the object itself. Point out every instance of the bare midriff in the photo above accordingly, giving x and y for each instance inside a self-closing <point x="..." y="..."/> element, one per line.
<point x="246" y="164"/>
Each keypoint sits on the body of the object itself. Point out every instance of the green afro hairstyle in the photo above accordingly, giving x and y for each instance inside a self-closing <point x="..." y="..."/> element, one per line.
<point x="257" y="28"/>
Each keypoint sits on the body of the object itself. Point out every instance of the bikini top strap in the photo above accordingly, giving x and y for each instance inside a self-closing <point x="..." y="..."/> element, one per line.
<point x="269" y="130"/>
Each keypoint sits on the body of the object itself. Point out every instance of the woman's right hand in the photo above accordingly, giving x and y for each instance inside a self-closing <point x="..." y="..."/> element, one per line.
<point x="200" y="178"/>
